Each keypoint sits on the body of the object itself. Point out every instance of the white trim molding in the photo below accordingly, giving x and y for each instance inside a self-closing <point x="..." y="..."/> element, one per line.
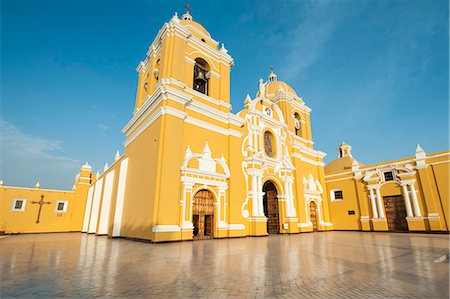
<point x="165" y="228"/>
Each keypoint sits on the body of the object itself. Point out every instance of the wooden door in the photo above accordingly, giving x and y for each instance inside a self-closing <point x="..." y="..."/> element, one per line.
<point x="203" y="215"/>
<point x="271" y="208"/>
<point x="313" y="215"/>
<point x="395" y="213"/>
<point x="273" y="223"/>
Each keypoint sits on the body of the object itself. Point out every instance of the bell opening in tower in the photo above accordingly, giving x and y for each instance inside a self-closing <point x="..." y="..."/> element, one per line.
<point x="201" y="76"/>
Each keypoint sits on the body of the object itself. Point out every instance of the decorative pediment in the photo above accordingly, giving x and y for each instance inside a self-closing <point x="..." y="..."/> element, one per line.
<point x="312" y="185"/>
<point x="205" y="163"/>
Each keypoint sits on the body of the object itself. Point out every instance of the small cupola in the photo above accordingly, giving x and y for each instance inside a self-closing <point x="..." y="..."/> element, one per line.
<point x="187" y="16"/>
<point x="272" y="75"/>
<point x="344" y="150"/>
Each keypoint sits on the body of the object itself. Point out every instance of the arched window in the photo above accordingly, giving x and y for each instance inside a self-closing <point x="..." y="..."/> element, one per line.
<point x="269" y="144"/>
<point x="297" y="124"/>
<point x="201" y="76"/>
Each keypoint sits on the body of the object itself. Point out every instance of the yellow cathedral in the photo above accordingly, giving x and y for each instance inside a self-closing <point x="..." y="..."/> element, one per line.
<point x="194" y="170"/>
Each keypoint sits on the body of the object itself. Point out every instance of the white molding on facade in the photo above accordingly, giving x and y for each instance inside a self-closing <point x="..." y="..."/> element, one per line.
<point x="96" y="206"/>
<point x="40" y="189"/>
<point x="205" y="125"/>
<point x="262" y="219"/>
<point x="106" y="204"/>
<point x="431" y="156"/>
<point x="365" y="218"/>
<point x="341" y="179"/>
<point x="307" y="160"/>
<point x="440" y="162"/>
<point x="304" y="224"/>
<point x="87" y="210"/>
<point x="378" y="219"/>
<point x="166" y="228"/>
<point x="419" y="218"/>
<point x="120" y="198"/>
<point x="236" y="227"/>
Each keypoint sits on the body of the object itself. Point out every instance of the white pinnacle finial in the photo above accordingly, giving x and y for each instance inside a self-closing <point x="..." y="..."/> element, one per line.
<point x="37" y="186"/>
<point x="117" y="157"/>
<point x="420" y="157"/>
<point x="188" y="152"/>
<point x="247" y="99"/>
<point x="175" y="18"/>
<point x="223" y="49"/>
<point x="106" y="167"/>
<point x="419" y="149"/>
<point x="206" y="149"/>
<point x="97" y="174"/>
<point x="86" y="166"/>
<point x="1" y="182"/>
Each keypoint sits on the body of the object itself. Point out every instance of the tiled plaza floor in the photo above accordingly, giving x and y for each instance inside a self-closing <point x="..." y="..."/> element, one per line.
<point x="315" y="265"/>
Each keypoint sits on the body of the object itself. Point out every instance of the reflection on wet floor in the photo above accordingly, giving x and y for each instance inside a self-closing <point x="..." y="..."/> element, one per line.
<point x="332" y="264"/>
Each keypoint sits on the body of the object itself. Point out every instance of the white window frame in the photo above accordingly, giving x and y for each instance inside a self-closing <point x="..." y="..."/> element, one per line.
<point x="13" y="207"/>
<point x="66" y="204"/>
<point x="332" y="195"/>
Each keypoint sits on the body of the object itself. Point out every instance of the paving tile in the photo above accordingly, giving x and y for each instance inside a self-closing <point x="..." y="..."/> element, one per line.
<point x="316" y="265"/>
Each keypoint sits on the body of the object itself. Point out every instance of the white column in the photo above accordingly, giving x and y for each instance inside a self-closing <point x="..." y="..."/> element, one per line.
<point x="409" y="212"/>
<point x="417" y="212"/>
<point x="255" y="197"/>
<point x="291" y="200"/>
<point x="372" y="202"/>
<point x="191" y="204"/>
<point x="260" y="197"/>
<point x="380" y="203"/>
<point x="183" y="206"/>
<point x="219" y="202"/>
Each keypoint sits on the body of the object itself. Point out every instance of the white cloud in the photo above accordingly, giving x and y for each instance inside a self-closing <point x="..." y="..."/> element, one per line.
<point x="26" y="159"/>
<point x="309" y="37"/>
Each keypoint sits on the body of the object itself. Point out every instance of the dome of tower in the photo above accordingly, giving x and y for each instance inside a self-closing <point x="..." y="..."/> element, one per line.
<point x="345" y="160"/>
<point x="187" y="19"/>
<point x="273" y="85"/>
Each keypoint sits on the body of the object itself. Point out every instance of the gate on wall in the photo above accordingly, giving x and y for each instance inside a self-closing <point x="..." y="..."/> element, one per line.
<point x="203" y="215"/>
<point x="271" y="210"/>
<point x="395" y="213"/>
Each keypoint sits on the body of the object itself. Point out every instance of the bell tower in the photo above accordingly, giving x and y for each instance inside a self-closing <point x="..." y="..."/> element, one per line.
<point x="185" y="56"/>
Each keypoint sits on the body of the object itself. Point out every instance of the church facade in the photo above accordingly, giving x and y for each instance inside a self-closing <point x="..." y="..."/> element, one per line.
<point x="194" y="170"/>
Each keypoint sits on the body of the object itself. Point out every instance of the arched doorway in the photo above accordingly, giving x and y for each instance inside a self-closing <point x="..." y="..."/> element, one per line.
<point x="271" y="208"/>
<point x="203" y="215"/>
<point x="395" y="213"/>
<point x="313" y="215"/>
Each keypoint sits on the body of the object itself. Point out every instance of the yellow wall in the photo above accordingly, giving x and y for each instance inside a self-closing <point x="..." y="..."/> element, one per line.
<point x="50" y="220"/>
<point x="429" y="180"/>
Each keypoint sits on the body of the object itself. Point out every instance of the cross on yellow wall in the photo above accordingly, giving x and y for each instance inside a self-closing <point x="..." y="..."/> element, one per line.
<point x="40" y="203"/>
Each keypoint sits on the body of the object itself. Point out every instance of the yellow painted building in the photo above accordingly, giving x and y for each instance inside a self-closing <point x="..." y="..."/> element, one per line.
<point x="410" y="194"/>
<point x="37" y="210"/>
<point x="194" y="170"/>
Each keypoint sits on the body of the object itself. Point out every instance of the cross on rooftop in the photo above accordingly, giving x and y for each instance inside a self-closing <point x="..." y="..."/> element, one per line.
<point x="188" y="8"/>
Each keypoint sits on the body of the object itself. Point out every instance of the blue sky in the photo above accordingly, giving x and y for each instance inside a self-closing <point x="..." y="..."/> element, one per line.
<point x="375" y="74"/>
